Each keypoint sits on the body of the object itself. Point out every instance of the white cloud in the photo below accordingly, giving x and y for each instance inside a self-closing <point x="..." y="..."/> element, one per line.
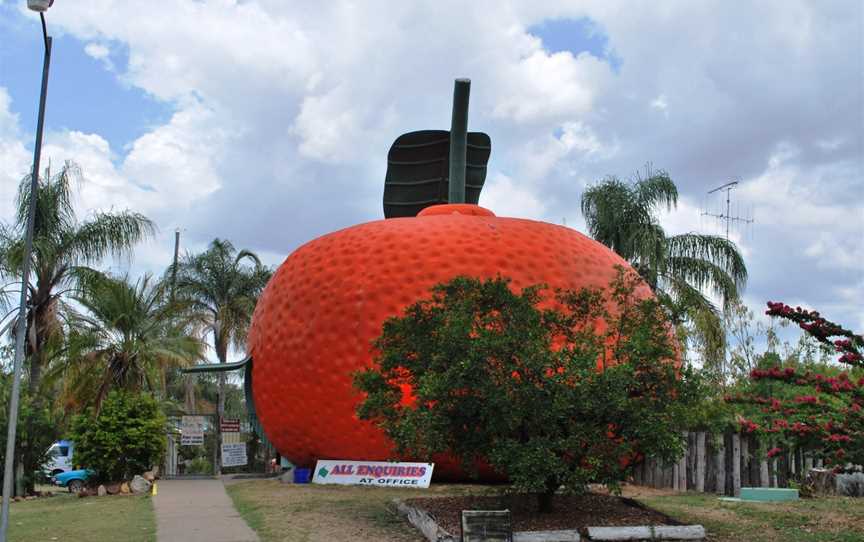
<point x="660" y="103"/>
<point x="504" y="198"/>
<point x="15" y="160"/>
<point x="545" y="86"/>
<point x="177" y="162"/>
<point x="97" y="50"/>
<point x="284" y="114"/>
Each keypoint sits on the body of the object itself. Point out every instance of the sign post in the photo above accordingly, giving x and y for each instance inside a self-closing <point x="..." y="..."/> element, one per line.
<point x="373" y="473"/>
<point x="233" y="447"/>
<point x="486" y="526"/>
<point x="192" y="430"/>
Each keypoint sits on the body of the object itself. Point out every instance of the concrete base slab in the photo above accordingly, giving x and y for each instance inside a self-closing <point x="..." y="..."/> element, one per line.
<point x="648" y="532"/>
<point x="546" y="536"/>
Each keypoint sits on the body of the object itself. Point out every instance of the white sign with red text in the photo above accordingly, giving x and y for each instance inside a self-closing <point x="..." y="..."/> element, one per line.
<point x="373" y="473"/>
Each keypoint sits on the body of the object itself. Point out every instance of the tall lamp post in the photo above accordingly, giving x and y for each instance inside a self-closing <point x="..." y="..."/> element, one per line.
<point x="39" y="6"/>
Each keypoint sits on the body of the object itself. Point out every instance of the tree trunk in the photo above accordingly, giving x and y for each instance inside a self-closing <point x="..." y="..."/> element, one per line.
<point x="799" y="465"/>
<point x="222" y="354"/>
<point x="544" y="499"/>
<point x="700" y="462"/>
<point x="720" y="460"/>
<point x="37" y="361"/>
<point x="736" y="465"/>
<point x="658" y="475"/>
<point x="189" y="400"/>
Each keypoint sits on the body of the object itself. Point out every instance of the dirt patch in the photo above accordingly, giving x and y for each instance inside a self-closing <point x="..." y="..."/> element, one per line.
<point x="569" y="511"/>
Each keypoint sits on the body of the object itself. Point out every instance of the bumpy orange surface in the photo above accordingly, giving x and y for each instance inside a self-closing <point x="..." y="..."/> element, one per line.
<point x="314" y="324"/>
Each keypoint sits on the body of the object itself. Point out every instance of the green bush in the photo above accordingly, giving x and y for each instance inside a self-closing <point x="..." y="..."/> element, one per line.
<point x="126" y="437"/>
<point x="37" y="430"/>
<point x="200" y="465"/>
<point x="496" y="377"/>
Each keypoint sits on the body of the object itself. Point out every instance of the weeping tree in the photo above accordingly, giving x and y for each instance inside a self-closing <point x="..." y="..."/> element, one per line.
<point x="125" y="336"/>
<point x="681" y="269"/>
<point x="222" y="286"/>
<point x="63" y="249"/>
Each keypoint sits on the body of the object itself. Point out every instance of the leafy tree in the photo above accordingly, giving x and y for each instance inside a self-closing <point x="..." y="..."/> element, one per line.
<point x="812" y="406"/>
<point x="126" y="337"/>
<point x="222" y="285"/>
<point x="489" y="375"/>
<point x="33" y="439"/>
<point x="63" y="247"/>
<point x="126" y="437"/>
<point x="623" y="216"/>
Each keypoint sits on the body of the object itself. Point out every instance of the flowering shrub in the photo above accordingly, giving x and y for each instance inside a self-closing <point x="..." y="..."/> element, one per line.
<point x="822" y="412"/>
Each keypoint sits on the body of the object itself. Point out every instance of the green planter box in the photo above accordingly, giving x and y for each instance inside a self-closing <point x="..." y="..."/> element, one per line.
<point x="770" y="494"/>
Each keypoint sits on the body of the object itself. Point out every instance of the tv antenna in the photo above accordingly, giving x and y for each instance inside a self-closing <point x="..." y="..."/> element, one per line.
<point x="728" y="215"/>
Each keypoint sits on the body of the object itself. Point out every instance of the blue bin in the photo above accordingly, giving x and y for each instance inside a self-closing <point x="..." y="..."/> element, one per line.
<point x="302" y="476"/>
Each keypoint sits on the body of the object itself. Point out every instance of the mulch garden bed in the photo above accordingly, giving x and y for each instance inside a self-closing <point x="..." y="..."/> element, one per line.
<point x="569" y="511"/>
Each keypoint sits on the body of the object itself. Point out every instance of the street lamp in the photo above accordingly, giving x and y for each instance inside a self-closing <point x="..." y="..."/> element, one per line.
<point x="39" y="6"/>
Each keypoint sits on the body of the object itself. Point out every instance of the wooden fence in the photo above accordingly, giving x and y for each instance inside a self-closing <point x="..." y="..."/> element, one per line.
<point x="724" y="463"/>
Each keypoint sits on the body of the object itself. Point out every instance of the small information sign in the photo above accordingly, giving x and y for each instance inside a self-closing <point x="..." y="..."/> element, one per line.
<point x="192" y="430"/>
<point x="486" y="526"/>
<point x="373" y="473"/>
<point x="230" y="425"/>
<point x="233" y="455"/>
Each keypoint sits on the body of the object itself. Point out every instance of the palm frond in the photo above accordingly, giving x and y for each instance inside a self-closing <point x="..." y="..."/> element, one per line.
<point x="107" y="234"/>
<point x="703" y="275"/>
<point x="717" y="250"/>
<point x="656" y="191"/>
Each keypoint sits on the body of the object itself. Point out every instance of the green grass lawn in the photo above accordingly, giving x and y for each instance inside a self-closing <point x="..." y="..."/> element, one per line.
<point x="327" y="513"/>
<point x="313" y="513"/>
<point x="835" y="519"/>
<point x="92" y="519"/>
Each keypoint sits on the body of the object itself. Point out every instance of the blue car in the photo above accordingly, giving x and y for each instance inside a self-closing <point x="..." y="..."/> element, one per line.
<point x="74" y="480"/>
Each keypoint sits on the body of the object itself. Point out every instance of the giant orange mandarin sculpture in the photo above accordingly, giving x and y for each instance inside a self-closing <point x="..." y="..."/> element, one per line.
<point x="314" y="324"/>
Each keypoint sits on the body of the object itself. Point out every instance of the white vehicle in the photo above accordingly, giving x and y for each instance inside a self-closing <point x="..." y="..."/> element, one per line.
<point x="59" y="458"/>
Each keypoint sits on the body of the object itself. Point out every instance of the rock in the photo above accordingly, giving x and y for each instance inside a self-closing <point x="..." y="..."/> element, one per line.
<point x="819" y="482"/>
<point x="151" y="474"/>
<point x="124" y="488"/>
<point x="113" y="489"/>
<point x="101" y="491"/>
<point x="29" y="497"/>
<point x="287" y="477"/>
<point x="139" y="485"/>
<point x="851" y="484"/>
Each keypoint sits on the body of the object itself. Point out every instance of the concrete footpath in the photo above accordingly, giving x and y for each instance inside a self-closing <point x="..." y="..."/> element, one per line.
<point x="198" y="511"/>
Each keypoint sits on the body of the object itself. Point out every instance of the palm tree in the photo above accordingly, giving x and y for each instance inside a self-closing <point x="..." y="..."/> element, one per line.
<point x="222" y="285"/>
<point x="679" y="268"/>
<point x="63" y="247"/>
<point x="126" y="337"/>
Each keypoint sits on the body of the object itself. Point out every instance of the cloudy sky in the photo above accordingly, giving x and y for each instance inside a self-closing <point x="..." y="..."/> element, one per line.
<point x="268" y="122"/>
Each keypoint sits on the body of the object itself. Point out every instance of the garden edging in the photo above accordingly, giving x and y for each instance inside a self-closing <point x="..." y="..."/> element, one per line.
<point x="427" y="524"/>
